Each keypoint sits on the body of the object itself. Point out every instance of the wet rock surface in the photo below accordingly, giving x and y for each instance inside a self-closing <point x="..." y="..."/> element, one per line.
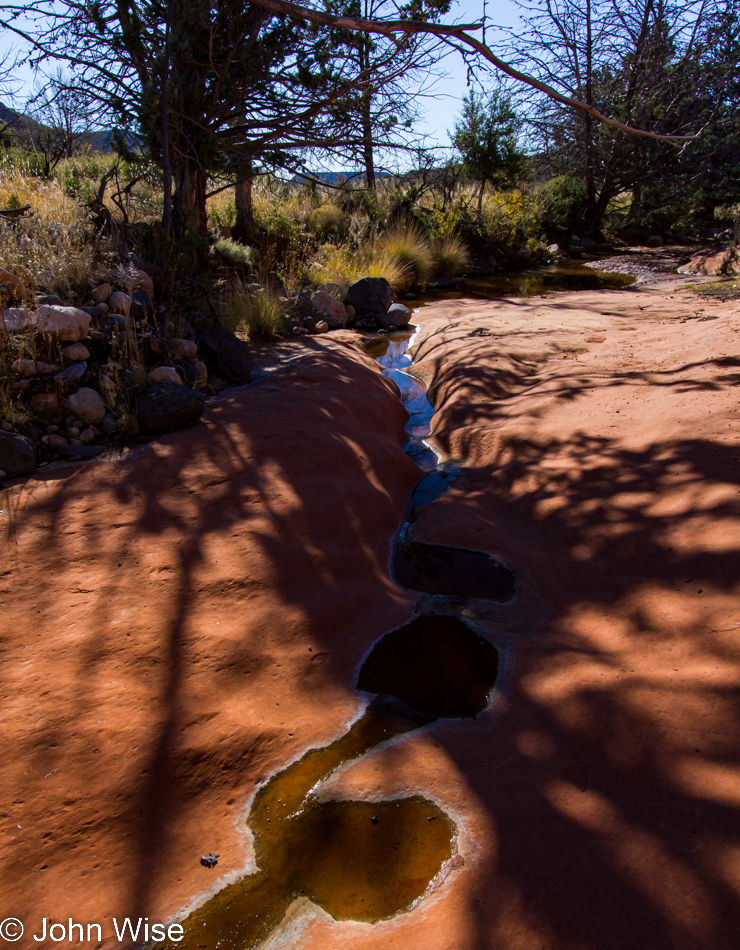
<point x="452" y="571"/>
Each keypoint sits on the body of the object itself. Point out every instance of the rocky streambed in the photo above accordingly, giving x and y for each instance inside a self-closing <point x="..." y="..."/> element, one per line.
<point x="214" y="616"/>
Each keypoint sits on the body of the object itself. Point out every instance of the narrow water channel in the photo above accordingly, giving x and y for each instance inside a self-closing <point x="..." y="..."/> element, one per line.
<point x="361" y="860"/>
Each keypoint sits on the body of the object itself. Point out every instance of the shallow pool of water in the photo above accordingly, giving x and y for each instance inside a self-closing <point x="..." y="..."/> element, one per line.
<point x="542" y="280"/>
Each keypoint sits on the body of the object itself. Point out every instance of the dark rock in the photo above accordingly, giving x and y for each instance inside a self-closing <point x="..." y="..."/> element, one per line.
<point x="79" y="451"/>
<point x="655" y="240"/>
<point x="142" y="307"/>
<point x="370" y="295"/>
<point x="96" y="312"/>
<point x="227" y="354"/>
<point x="398" y="315"/>
<point x="301" y="304"/>
<point x="71" y="374"/>
<point x="209" y="860"/>
<point x="309" y="323"/>
<point x="588" y="242"/>
<point x="17" y="454"/>
<point x="108" y="425"/>
<point x="49" y="300"/>
<point x="480" y="266"/>
<point x="168" y="405"/>
<point x="188" y="373"/>
<point x="437" y="283"/>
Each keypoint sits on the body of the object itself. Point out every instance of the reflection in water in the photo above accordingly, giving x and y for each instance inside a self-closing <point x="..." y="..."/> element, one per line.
<point x="452" y="571"/>
<point x="356" y="860"/>
<point x="555" y="277"/>
<point x="391" y="354"/>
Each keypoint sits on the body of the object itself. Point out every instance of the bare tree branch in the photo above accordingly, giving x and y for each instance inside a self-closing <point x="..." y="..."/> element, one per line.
<point x="455" y="33"/>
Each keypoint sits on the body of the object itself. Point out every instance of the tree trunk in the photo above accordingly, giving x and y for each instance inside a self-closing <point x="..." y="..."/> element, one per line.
<point x="245" y="229"/>
<point x="483" y="184"/>
<point x="367" y="141"/>
<point x="366" y="118"/>
<point x="189" y="201"/>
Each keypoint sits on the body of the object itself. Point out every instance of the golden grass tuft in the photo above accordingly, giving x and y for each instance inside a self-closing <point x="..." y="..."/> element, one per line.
<point x="253" y="316"/>
<point x="410" y="249"/>
<point x="340" y="265"/>
<point x="451" y="256"/>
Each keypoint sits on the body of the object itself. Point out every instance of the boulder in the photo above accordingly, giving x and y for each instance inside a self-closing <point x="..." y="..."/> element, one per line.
<point x="330" y="308"/>
<point x="229" y="356"/>
<point x="12" y="282"/>
<point x="76" y="352"/>
<point x="169" y="405"/>
<point x="67" y="324"/>
<point x="49" y="300"/>
<point x="350" y="311"/>
<point x="164" y="374"/>
<point x="655" y="240"/>
<point x="338" y="291"/>
<point x="397" y="315"/>
<point x="321" y="327"/>
<point x="54" y="441"/>
<point x="16" y="319"/>
<point x="143" y="280"/>
<point x="101" y="293"/>
<point x="17" y="454"/>
<point x="87" y="406"/>
<point x="370" y="295"/>
<point x="119" y="302"/>
<point x="106" y="384"/>
<point x="201" y="375"/>
<point x="588" y="242"/>
<point x="72" y="374"/>
<point x="33" y="368"/>
<point x="187" y="372"/>
<point x="182" y="349"/>
<point x="45" y="403"/>
<point x="715" y="262"/>
<point x="142" y="308"/>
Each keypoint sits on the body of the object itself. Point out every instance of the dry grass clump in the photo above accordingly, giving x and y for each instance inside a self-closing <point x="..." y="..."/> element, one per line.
<point x="48" y="201"/>
<point x="56" y="258"/>
<point x="451" y="256"/>
<point x="411" y="250"/>
<point x="341" y="265"/>
<point x="253" y="316"/>
<point x="328" y="221"/>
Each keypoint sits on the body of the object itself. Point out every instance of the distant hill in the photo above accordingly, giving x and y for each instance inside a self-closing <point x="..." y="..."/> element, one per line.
<point x="22" y="126"/>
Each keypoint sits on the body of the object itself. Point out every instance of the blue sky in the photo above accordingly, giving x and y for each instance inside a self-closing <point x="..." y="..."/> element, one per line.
<point x="442" y="105"/>
<point x="452" y="86"/>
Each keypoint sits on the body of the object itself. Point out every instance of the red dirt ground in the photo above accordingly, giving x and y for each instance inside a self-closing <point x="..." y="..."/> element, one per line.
<point x="180" y="624"/>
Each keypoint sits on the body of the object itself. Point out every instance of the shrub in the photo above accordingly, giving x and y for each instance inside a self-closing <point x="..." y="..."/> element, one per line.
<point x="328" y="221"/>
<point x="233" y="252"/>
<point x="451" y="256"/>
<point x="409" y="248"/>
<point x="511" y="218"/>
<point x="563" y="201"/>
<point x="253" y="316"/>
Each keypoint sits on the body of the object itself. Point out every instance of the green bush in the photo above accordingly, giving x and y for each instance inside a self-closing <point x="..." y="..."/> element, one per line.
<point x="232" y="251"/>
<point x="563" y="202"/>
<point x="511" y="218"/>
